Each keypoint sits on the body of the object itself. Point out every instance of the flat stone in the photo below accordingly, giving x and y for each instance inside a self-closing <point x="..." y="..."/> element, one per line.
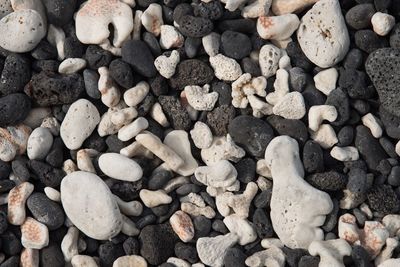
<point x="120" y="167"/>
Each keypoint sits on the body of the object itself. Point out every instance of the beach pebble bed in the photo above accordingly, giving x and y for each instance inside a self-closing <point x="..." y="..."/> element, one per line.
<point x="196" y="133"/>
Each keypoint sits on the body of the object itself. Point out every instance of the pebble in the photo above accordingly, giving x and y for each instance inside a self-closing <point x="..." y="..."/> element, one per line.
<point x="166" y="65"/>
<point x="191" y="72"/>
<point x="272" y="256"/>
<point x="170" y="37"/>
<point x="383" y="199"/>
<point x="373" y="124"/>
<point x="139" y="56"/>
<point x="317" y="114"/>
<point x="201" y="135"/>
<point x="338" y="98"/>
<point x="5" y="8"/>
<point x="120" y="167"/>
<point x="83" y="260"/>
<point x="331" y="252"/>
<point x="323" y="35"/>
<point x="15" y="74"/>
<point x="325" y="80"/>
<point x="328" y="181"/>
<point x="59" y="12"/>
<point x="35" y="235"/>
<point x="52" y="194"/>
<point x="277" y="27"/>
<point x="395" y="36"/>
<point x="235" y="45"/>
<point x="251" y="133"/>
<point x="348" y="153"/>
<point x="47" y="88"/>
<point x="196" y="27"/>
<point x="22" y="30"/>
<point x="359" y="16"/>
<point x="182" y="225"/>
<point x="382" y="23"/>
<point x="39" y="143"/>
<point x="29" y="257"/>
<point x="200" y="98"/>
<point x="80" y="121"/>
<point x="82" y="191"/>
<point x="369" y="41"/>
<point x="72" y="65"/>
<point x="91" y="80"/>
<point x="242" y="228"/>
<point x="46" y="211"/>
<point x="95" y="16"/>
<point x="15" y="108"/>
<point x="132" y="129"/>
<point x="212" y="250"/>
<point x="175" y="112"/>
<point x="121" y="73"/>
<point x="280" y="7"/>
<point x="283" y="151"/>
<point x="130" y="261"/>
<point x="17" y="197"/>
<point x="225" y="68"/>
<point x="211" y="43"/>
<point x="268" y="59"/>
<point x="292" y="106"/>
<point x="219" y="119"/>
<point x="152" y="19"/>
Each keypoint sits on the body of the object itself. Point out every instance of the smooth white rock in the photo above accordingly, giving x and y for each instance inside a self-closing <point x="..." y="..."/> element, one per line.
<point x="130" y="261"/>
<point x="382" y="23"/>
<point x="273" y="256"/>
<point x="79" y="122"/>
<point x="83" y="261"/>
<point x="331" y="252"/>
<point x="201" y="135"/>
<point x="387" y="252"/>
<point x="153" y="199"/>
<point x="158" y="115"/>
<point x="221" y="174"/>
<point x="14" y="140"/>
<point x="325" y="136"/>
<point x="71" y="65"/>
<point x="52" y="194"/>
<point x="120" y="167"/>
<point x="392" y="224"/>
<point x="200" y="98"/>
<point x="212" y="250"/>
<point x="34" y="234"/>
<point x="22" y="30"/>
<point x="255" y="9"/>
<point x="136" y="94"/>
<point x="110" y="94"/>
<point x="269" y="59"/>
<point x="131" y="208"/>
<point x="390" y="263"/>
<point x="131" y="130"/>
<point x="222" y="148"/>
<point x="56" y="37"/>
<point x="225" y="68"/>
<point x="152" y="19"/>
<point x="373" y="124"/>
<point x="277" y="27"/>
<point x="182" y="225"/>
<point x="242" y="228"/>
<point x="348" y="153"/>
<point x="323" y="34"/>
<point x="90" y="205"/>
<point x="39" y="143"/>
<point x="297" y="208"/>
<point x="69" y="244"/>
<point x="29" y="257"/>
<point x="318" y="113"/>
<point x="325" y="80"/>
<point x="52" y="124"/>
<point x="178" y="262"/>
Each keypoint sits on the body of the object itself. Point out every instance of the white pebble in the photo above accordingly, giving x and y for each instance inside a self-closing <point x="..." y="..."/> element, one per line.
<point x="69" y="244"/>
<point x="36" y="116"/>
<point x="14" y="141"/>
<point x="232" y="5"/>
<point x="56" y="37"/>
<point x="277" y="27"/>
<point x="269" y="59"/>
<point x="71" y="65"/>
<point x="17" y="197"/>
<point x="211" y="43"/>
<point x="83" y="260"/>
<point x="256" y="9"/>
<point x="331" y="252"/>
<point x="129" y="227"/>
<point x="52" y="124"/>
<point x="110" y="94"/>
<point x="153" y="199"/>
<point x="325" y="136"/>
<point x="225" y="68"/>
<point x="135" y="95"/>
<point x="170" y="37"/>
<point x="69" y="166"/>
<point x="387" y="252"/>
<point x="39" y="143"/>
<point x="317" y="114"/>
<point x="84" y="159"/>
<point x="135" y="149"/>
<point x="390" y="263"/>
<point x="273" y="256"/>
<point x="281" y="86"/>
<point x="178" y="262"/>
<point x="29" y="257"/>
<point x="194" y="210"/>
<point x="137" y="25"/>
<point x="120" y="167"/>
<point x="79" y="122"/>
<point x="200" y="98"/>
<point x="246" y="86"/>
<point x="166" y="65"/>
<point x="201" y="135"/>
<point x="152" y="19"/>
<point x="158" y="115"/>
<point x="280" y="7"/>
<point x="373" y="124"/>
<point x="34" y="234"/>
<point x="130" y="261"/>
<point x="325" y="80"/>
<point x="131" y="208"/>
<point x="131" y="130"/>
<point x="392" y="224"/>
<point x="348" y="153"/>
<point x="242" y="228"/>
<point x="292" y="106"/>
<point x="52" y="194"/>
<point x="222" y="174"/>
<point x="182" y="225"/>
<point x="382" y="23"/>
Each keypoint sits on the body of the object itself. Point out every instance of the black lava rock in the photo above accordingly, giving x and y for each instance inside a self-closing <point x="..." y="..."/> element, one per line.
<point x="59" y="12"/>
<point x="313" y="157"/>
<point x="220" y="118"/>
<point x="158" y="242"/>
<point x="181" y="10"/>
<point x="73" y="48"/>
<point x="159" y="85"/>
<point x="328" y="181"/>
<point x="191" y="72"/>
<point x="186" y="252"/>
<point x="354" y="59"/>
<point x="252" y="133"/>
<point x="48" y="175"/>
<point x="97" y="57"/>
<point x="55" y="156"/>
<point x="395" y="36"/>
<point x="109" y="252"/>
<point x="11" y="262"/>
<point x="391" y="123"/>
<point x="195" y="26"/>
<point x="293" y="128"/>
<point x="212" y="10"/>
<point x="44" y="50"/>
<point x="354" y="82"/>
<point x="51" y="256"/>
<point x="224" y="92"/>
<point x="48" y="88"/>
<point x="309" y="261"/>
<point x="382" y="67"/>
<point x="139" y="56"/>
<point x="49" y="65"/>
<point x="297" y="57"/>
<point x="262" y="224"/>
<point x="6" y="185"/>
<point x="131" y="246"/>
<point x="91" y="79"/>
<point x="122" y="73"/>
<point x="293" y="256"/>
<point x="339" y="99"/>
<point x="237" y="25"/>
<point x="345" y="136"/>
<point x="126" y="191"/>
<point x="16" y="73"/>
<point x="234" y="257"/>
<point x="250" y="66"/>
<point x="235" y="45"/>
<point x="246" y="169"/>
<point x="175" y="112"/>
<point x="369" y="147"/>
<point x="202" y="226"/>
<point x="11" y="244"/>
<point x="368" y="41"/>
<point x="45" y="210"/>
<point x="383" y="199"/>
<point x="14" y="108"/>
<point x="359" y="16"/>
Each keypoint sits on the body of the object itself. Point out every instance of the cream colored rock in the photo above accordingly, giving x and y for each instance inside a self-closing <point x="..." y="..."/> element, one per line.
<point x="178" y="262"/>
<point x="34" y="234"/>
<point x="83" y="261"/>
<point x="246" y="86"/>
<point x="348" y="153"/>
<point x="166" y="65"/>
<point x="325" y="80"/>
<point x="131" y="208"/>
<point x="56" y="37"/>
<point x="122" y="116"/>
<point x="22" y="30"/>
<point x="222" y="148"/>
<point x="222" y="174"/>
<point x="284" y="61"/>
<point x="211" y="43"/>
<point x="373" y="124"/>
<point x="165" y="153"/>
<point x="193" y="198"/>
<point x="392" y="224"/>
<point x="277" y="27"/>
<point x="323" y="34"/>
<point x="225" y="68"/>
<point x="84" y="159"/>
<point x="152" y="19"/>
<point x="129" y="227"/>
<point x="137" y="25"/>
<point x="130" y="261"/>
<point x="131" y="130"/>
<point x="84" y="197"/>
<point x="182" y="225"/>
<point x="52" y="194"/>
<point x="13" y="141"/>
<point x="305" y="206"/>
<point x="271" y="242"/>
<point x="39" y="143"/>
<point x="280" y="7"/>
<point x="194" y="210"/>
<point x="69" y="244"/>
<point x="292" y="106"/>
<point x="390" y="263"/>
<point x="212" y="250"/>
<point x="135" y="95"/>
<point x="273" y="256"/>
<point x="136" y="149"/>
<point x="71" y="65"/>
<point x="201" y="135"/>
<point x="110" y="94"/>
<point x="242" y="228"/>
<point x="317" y="114"/>
<point x="281" y="86"/>
<point x="170" y="37"/>
<point x="257" y="8"/>
<point x="158" y="115"/>
<point x="382" y="23"/>
<point x="178" y="141"/>
<point x="120" y="167"/>
<point x="79" y="122"/>
<point x="153" y="199"/>
<point x="29" y="258"/>
<point x="52" y="124"/>
<point x="325" y="136"/>
<point x="269" y="59"/>
<point x="387" y="252"/>
<point x="200" y="98"/>
<point x="69" y="166"/>
<point x="93" y="18"/>
<point x="331" y="252"/>
<point x="17" y="197"/>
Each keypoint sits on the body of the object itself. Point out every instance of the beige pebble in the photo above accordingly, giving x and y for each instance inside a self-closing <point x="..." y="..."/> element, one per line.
<point x="35" y="235"/>
<point x="16" y="203"/>
<point x="182" y="225"/>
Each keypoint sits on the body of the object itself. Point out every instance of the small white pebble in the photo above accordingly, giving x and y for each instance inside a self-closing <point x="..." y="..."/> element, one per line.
<point x="382" y="23"/>
<point x="319" y="113"/>
<point x="153" y="199"/>
<point x="348" y="153"/>
<point x="52" y="194"/>
<point x="373" y="124"/>
<point x="170" y="37"/>
<point x="211" y="43"/>
<point x="201" y="135"/>
<point x="152" y="19"/>
<point x="225" y="68"/>
<point x="71" y="65"/>
<point x="325" y="80"/>
<point x="135" y="95"/>
<point x="158" y="115"/>
<point x="325" y="136"/>
<point x="200" y="98"/>
<point x="134" y="128"/>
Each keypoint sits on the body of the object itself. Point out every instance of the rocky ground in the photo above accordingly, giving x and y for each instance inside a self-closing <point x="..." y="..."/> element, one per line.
<point x="179" y="133"/>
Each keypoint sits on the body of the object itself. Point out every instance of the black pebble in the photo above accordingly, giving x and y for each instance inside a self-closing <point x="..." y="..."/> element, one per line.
<point x="191" y="72"/>
<point x="131" y="246"/>
<point x="44" y="50"/>
<point x="360" y="257"/>
<point x="220" y="118"/>
<point x="250" y="66"/>
<point x="383" y="199"/>
<point x="11" y="244"/>
<point x="395" y="36"/>
<point x="246" y="169"/>
<point x="293" y="256"/>
<point x="262" y="224"/>
<point x="47" y="175"/>
<point x="175" y="112"/>
<point x="97" y="57"/>
<point x="354" y="82"/>
<point x="126" y="191"/>
<point x="20" y="169"/>
<point x="202" y="226"/>
<point x="354" y="59"/>
<point x="328" y="181"/>
<point x="393" y="178"/>
<point x="91" y="79"/>
<point x="122" y="73"/>
<point x="186" y="252"/>
<point x="109" y="252"/>
<point x="263" y="199"/>
<point x="195" y="26"/>
<point x="55" y="157"/>
<point x="11" y="262"/>
<point x="235" y="45"/>
<point x="345" y="136"/>
<point x="309" y="261"/>
<point x="14" y="109"/>
<point x="59" y="12"/>
<point x="49" y="65"/>
<point x="45" y="210"/>
<point x="313" y="158"/>
<point x="238" y="25"/>
<point x="5" y="169"/>
<point x="139" y="56"/>
<point x="73" y="48"/>
<point x="234" y="257"/>
<point x="192" y="46"/>
<point x="339" y="99"/>
<point x="369" y="41"/>
<point x="6" y="185"/>
<point x="297" y="57"/>
<point x="297" y="79"/>
<point x="152" y="43"/>
<point x="359" y="16"/>
<point x="3" y="223"/>
<point x="159" y="85"/>
<point x="52" y="256"/>
<point x="391" y="123"/>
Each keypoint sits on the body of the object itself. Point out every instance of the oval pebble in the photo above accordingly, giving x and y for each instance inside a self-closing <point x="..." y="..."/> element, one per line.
<point x="46" y="211"/>
<point x="120" y="167"/>
<point x="39" y="143"/>
<point x="90" y="205"/>
<point x="21" y="30"/>
<point x="14" y="109"/>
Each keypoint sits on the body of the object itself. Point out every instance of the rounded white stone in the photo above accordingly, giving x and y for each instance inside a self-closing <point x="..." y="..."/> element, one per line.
<point x="201" y="135"/>
<point x="277" y="27"/>
<point x="90" y="205"/>
<point x="39" y="143"/>
<point x="382" y="23"/>
<point x="71" y="65"/>
<point x="79" y="122"/>
<point x="120" y="167"/>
